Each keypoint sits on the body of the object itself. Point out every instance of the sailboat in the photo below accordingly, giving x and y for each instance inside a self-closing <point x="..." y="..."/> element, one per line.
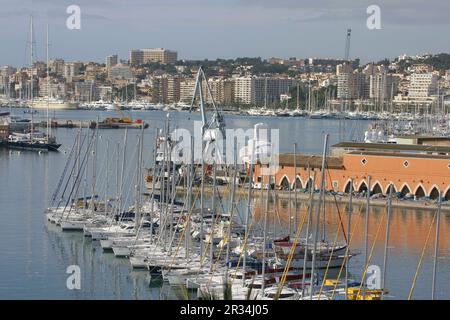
<point x="34" y="140"/>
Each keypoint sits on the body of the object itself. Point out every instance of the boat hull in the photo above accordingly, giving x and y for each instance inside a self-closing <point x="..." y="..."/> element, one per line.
<point x="20" y="145"/>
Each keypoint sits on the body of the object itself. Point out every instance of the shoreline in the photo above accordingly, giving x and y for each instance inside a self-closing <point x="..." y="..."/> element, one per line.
<point x="396" y="203"/>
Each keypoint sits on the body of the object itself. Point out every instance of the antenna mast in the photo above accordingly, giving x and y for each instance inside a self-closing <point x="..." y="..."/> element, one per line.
<point x="347" y="44"/>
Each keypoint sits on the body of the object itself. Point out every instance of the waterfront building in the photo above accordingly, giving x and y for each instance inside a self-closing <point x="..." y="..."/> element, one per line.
<point x="187" y="86"/>
<point x="261" y="90"/>
<point x="53" y="89"/>
<point x="419" y="170"/>
<point x="422" y="85"/>
<point x="165" y="88"/>
<point x="346" y="85"/>
<point x="86" y="91"/>
<point x="222" y="90"/>
<point x="383" y="86"/>
<point x="244" y="90"/>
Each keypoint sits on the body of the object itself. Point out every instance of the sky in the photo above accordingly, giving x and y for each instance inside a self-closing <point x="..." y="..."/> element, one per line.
<point x="210" y="29"/>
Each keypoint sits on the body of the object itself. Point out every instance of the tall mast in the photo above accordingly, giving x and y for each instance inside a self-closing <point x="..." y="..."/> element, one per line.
<point x="31" y="81"/>
<point x="436" y="248"/>
<point x="386" y="241"/>
<point x="48" y="88"/>
<point x="319" y="203"/>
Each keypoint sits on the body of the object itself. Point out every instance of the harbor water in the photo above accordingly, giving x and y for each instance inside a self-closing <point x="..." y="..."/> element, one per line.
<point x="35" y="254"/>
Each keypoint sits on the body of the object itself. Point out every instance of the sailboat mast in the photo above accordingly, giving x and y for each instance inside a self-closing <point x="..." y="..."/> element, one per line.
<point x="247" y="216"/>
<point x="349" y="224"/>
<point x="308" y="226"/>
<point x="213" y="218"/>
<point x="366" y="231"/>
<point x="436" y="247"/>
<point x="319" y="203"/>
<point x="266" y="212"/>
<point x="233" y="194"/>
<point x="31" y="78"/>
<point x="386" y="241"/>
<point x="48" y="88"/>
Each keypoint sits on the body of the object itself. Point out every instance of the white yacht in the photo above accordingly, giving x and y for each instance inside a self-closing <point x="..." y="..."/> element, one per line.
<point x="53" y="103"/>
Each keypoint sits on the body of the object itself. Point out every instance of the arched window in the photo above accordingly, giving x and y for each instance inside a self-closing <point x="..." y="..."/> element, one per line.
<point x="434" y="194"/>
<point x="298" y="183"/>
<point x="447" y="195"/>
<point x="420" y="193"/>
<point x="309" y="184"/>
<point x="362" y="188"/>
<point x="377" y="189"/>
<point x="348" y="187"/>
<point x="394" y="190"/>
<point x="405" y="190"/>
<point x="284" y="183"/>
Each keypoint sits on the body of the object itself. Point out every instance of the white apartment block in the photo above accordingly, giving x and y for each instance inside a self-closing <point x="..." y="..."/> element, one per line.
<point x="261" y="90"/>
<point x="161" y="55"/>
<point x="244" y="90"/>
<point x="422" y="85"/>
<point x="187" y="86"/>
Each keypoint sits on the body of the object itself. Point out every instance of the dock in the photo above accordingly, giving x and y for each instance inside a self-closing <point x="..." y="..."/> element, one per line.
<point x="67" y="123"/>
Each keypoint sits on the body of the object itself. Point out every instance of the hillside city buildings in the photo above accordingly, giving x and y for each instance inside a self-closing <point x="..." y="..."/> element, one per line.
<point x="158" y="76"/>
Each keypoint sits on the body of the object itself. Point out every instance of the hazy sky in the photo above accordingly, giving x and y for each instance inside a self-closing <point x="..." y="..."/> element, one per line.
<point x="200" y="29"/>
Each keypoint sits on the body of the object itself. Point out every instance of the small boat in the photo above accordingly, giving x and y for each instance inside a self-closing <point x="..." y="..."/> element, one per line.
<point x="25" y="141"/>
<point x="118" y="123"/>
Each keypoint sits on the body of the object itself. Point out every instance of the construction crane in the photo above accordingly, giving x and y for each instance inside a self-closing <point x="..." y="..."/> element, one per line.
<point x="347" y="45"/>
<point x="215" y="125"/>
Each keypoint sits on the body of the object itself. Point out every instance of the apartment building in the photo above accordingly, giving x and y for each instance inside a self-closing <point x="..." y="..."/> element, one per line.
<point x="383" y="86"/>
<point x="244" y="90"/>
<point x="111" y="61"/>
<point x="422" y="85"/>
<point x="161" y="55"/>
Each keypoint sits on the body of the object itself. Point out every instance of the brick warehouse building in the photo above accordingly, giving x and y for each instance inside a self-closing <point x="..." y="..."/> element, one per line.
<point x="421" y="170"/>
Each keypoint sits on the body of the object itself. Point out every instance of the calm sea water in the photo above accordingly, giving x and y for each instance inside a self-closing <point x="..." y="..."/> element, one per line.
<point x="35" y="255"/>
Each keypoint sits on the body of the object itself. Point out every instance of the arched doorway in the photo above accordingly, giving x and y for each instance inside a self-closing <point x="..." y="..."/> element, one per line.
<point x="434" y="194"/>
<point x="377" y="189"/>
<point x="309" y="184"/>
<point x="447" y="195"/>
<point x="297" y="184"/>
<point x="405" y="190"/>
<point x="394" y="190"/>
<point x="420" y="193"/>
<point x="284" y="184"/>
<point x="348" y="187"/>
<point x="362" y="188"/>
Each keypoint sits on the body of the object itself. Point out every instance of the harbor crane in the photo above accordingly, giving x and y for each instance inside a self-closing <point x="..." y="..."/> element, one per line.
<point x="214" y="128"/>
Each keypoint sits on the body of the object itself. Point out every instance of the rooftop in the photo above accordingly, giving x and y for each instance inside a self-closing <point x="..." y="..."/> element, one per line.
<point x="311" y="161"/>
<point x="393" y="147"/>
